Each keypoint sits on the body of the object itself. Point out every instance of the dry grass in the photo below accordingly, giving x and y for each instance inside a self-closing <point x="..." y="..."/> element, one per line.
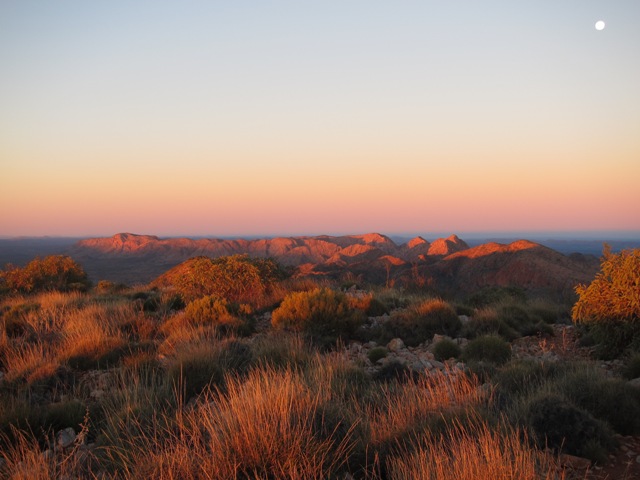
<point x="23" y="359"/>
<point x="23" y="459"/>
<point x="61" y="328"/>
<point x="271" y="407"/>
<point x="264" y="426"/>
<point x="401" y="410"/>
<point x="476" y="452"/>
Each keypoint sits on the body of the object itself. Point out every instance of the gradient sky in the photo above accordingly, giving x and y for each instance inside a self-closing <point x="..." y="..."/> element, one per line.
<point x="240" y="118"/>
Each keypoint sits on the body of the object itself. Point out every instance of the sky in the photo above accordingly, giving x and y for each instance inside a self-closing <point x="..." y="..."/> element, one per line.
<point x="212" y="118"/>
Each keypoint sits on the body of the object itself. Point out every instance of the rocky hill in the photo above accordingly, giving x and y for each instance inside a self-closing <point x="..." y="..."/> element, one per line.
<point x="444" y="263"/>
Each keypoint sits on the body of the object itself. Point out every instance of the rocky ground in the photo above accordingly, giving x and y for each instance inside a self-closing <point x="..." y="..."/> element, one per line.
<point x="624" y="463"/>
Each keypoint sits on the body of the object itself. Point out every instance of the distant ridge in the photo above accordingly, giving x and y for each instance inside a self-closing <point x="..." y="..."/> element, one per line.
<point x="447" y="264"/>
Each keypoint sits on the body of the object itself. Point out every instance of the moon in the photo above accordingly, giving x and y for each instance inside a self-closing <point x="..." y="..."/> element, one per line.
<point x="599" y="25"/>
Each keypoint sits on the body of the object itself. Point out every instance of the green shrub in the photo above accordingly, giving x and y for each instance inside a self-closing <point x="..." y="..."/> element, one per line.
<point x="557" y="423"/>
<point x="610" y="304"/>
<point x="546" y="311"/>
<point x="522" y="376"/>
<point x="420" y="323"/>
<point x="445" y="349"/>
<point x="64" y="414"/>
<point x="376" y="308"/>
<point x="394" y="371"/>
<point x="610" y="400"/>
<point x="376" y="354"/>
<point x="487" y="322"/>
<point x="488" y="296"/>
<point x="323" y="314"/>
<point x="490" y="348"/>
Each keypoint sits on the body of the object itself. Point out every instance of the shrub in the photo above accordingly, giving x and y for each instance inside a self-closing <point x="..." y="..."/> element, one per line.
<point x="611" y="400"/>
<point x="55" y="272"/>
<point x="376" y="354"/>
<point x="420" y="323"/>
<point x="70" y="413"/>
<point x="523" y="376"/>
<point x="445" y="349"/>
<point x="210" y="310"/>
<point x="491" y="348"/>
<point x="394" y="371"/>
<point x="487" y="322"/>
<point x="237" y="278"/>
<point x="557" y="423"/>
<point x="612" y="301"/>
<point x="323" y="314"/>
<point x="546" y="311"/>
<point x="488" y="296"/>
<point x="106" y="287"/>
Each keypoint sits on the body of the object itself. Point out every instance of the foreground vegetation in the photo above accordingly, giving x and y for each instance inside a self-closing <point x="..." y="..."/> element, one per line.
<point x="246" y="374"/>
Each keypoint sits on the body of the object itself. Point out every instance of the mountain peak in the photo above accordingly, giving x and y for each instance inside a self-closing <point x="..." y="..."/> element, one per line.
<point x="416" y="241"/>
<point x="447" y="246"/>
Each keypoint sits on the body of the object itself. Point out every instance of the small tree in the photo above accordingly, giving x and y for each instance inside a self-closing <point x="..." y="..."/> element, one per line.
<point x="55" y="272"/>
<point x="237" y="278"/>
<point x="610" y="304"/>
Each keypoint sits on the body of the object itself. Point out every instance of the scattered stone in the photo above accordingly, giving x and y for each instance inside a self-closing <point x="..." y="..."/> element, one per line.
<point x="395" y="345"/>
<point x="438" y="338"/>
<point x="464" y="319"/>
<point x="635" y="382"/>
<point x="576" y="463"/>
<point x="66" y="437"/>
<point x="437" y="364"/>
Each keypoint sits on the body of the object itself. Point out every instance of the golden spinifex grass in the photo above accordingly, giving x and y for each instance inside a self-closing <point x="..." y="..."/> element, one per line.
<point x="475" y="452"/>
<point x="263" y="426"/>
<point x="400" y="410"/>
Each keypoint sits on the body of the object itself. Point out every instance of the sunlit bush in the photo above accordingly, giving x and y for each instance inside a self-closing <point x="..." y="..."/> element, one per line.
<point x="55" y="272"/>
<point x="323" y="314"/>
<point x="610" y="305"/>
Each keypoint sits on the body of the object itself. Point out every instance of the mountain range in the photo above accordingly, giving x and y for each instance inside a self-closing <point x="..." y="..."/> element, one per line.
<point x="445" y="264"/>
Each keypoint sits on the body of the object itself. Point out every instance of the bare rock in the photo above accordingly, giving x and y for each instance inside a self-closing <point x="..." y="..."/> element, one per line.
<point x="66" y="437"/>
<point x="635" y="382"/>
<point x="395" y="345"/>
<point x="576" y="463"/>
